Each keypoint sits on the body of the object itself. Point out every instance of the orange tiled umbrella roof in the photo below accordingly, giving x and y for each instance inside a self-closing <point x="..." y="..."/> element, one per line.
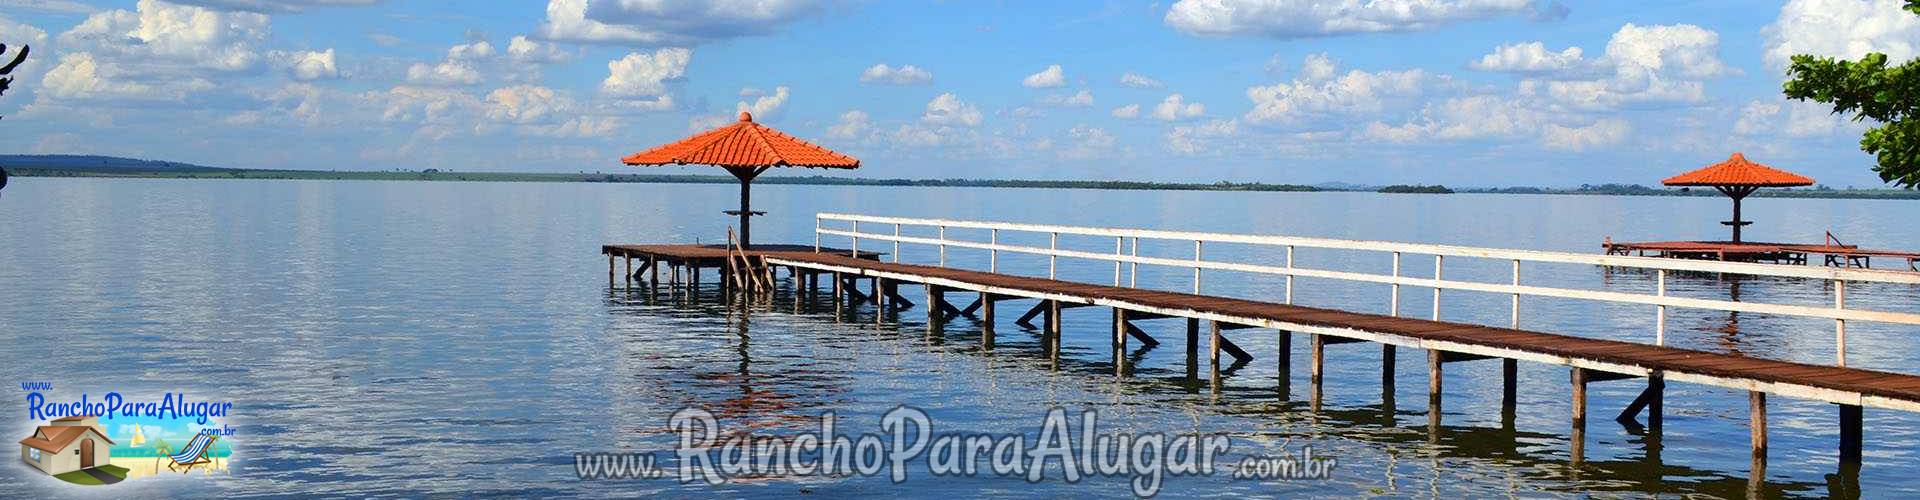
<point x="743" y="144"/>
<point x="1737" y="171"/>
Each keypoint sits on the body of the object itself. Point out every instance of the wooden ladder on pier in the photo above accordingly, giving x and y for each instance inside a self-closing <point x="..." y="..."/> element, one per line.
<point x="748" y="273"/>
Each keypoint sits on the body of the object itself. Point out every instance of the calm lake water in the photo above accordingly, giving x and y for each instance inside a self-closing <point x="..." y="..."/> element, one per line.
<point x="440" y="339"/>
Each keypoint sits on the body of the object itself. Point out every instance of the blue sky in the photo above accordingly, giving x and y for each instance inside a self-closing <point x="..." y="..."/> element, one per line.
<point x="1462" y="92"/>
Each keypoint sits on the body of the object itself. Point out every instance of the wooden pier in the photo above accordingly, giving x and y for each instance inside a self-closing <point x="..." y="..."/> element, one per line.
<point x="1832" y="253"/>
<point x="1220" y="319"/>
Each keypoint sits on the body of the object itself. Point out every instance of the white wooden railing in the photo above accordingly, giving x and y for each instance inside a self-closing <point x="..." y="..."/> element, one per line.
<point x="1839" y="313"/>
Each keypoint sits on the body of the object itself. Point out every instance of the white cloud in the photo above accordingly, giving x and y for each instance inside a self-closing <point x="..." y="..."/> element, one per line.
<point x="1319" y="94"/>
<point x="1529" y="58"/>
<point x="567" y="21"/>
<point x="887" y="75"/>
<point x="1642" y="66"/>
<point x="1079" y="99"/>
<point x="766" y="107"/>
<point x="525" y="104"/>
<point x="640" y="74"/>
<point x="1308" y="18"/>
<point x="446" y="73"/>
<point x="658" y="22"/>
<point x="457" y="69"/>
<point x="1138" y="81"/>
<point x="54" y="6"/>
<point x="852" y="124"/>
<point x="1845" y="29"/>
<point x="273" y="5"/>
<point x="1051" y="77"/>
<point x="1605" y="132"/>
<point x="425" y="105"/>
<point x="947" y="109"/>
<point x="1790" y="118"/>
<point x="1175" y="107"/>
<point x="80" y="76"/>
<point x="1500" y="118"/>
<point x="1318" y="67"/>
<point x="307" y="65"/>
<point x="1085" y="142"/>
<point x="470" y="51"/>
<point x="1199" y="138"/>
<point x="164" y="37"/>
<point x="525" y="50"/>
<point x="1127" y="112"/>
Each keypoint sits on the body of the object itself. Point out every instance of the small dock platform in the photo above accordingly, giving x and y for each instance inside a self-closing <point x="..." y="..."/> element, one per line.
<point x="692" y="258"/>
<point x="1834" y="255"/>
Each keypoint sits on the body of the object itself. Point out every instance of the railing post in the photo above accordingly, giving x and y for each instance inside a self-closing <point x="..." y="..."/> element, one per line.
<point x="1289" y="274"/>
<point x="1118" y="242"/>
<point x="993" y="254"/>
<point x="943" y="246"/>
<point x="1133" y="269"/>
<point x="856" y="240"/>
<point x="896" y="242"/>
<point x="1660" y="322"/>
<point x="1196" y="267"/>
<point x="1437" y="259"/>
<point x="1393" y="303"/>
<point x="1053" y="247"/>
<point x="1840" y="325"/>
<point x="1516" y="295"/>
<point x="816" y="233"/>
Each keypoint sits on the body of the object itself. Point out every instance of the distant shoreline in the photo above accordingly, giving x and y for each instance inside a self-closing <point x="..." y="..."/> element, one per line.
<point x="177" y="171"/>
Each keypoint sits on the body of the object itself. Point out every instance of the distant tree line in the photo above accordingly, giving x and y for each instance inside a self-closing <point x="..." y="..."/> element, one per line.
<point x="1416" y="188"/>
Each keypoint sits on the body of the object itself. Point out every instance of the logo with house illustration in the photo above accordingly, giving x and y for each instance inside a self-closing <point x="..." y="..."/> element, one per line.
<point x="86" y="450"/>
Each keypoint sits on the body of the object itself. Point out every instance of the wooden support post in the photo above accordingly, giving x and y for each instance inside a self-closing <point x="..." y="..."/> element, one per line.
<point x="1649" y="400"/>
<point x="1213" y="351"/>
<point x="1193" y="348"/>
<point x="1026" y="320"/>
<point x="1232" y="349"/>
<point x="986" y="321"/>
<point x="935" y="317"/>
<point x="628" y="274"/>
<point x="882" y="293"/>
<point x="1850" y="434"/>
<point x="1053" y="331"/>
<point x="1509" y="387"/>
<point x="975" y="306"/>
<point x="1578" y="448"/>
<point x="1318" y="348"/>
<point x="1284" y="363"/>
<point x="1758" y="428"/>
<point x="653" y="266"/>
<point x="839" y="296"/>
<point x="1119" y="339"/>
<point x="1138" y="334"/>
<point x="609" y="270"/>
<point x="1435" y="360"/>
<point x="1388" y="358"/>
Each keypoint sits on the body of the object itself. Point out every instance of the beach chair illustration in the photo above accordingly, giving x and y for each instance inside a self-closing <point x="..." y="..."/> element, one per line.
<point x="195" y="453"/>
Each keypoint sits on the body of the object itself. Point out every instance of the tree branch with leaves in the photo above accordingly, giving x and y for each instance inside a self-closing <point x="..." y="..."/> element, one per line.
<point x="1869" y="89"/>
